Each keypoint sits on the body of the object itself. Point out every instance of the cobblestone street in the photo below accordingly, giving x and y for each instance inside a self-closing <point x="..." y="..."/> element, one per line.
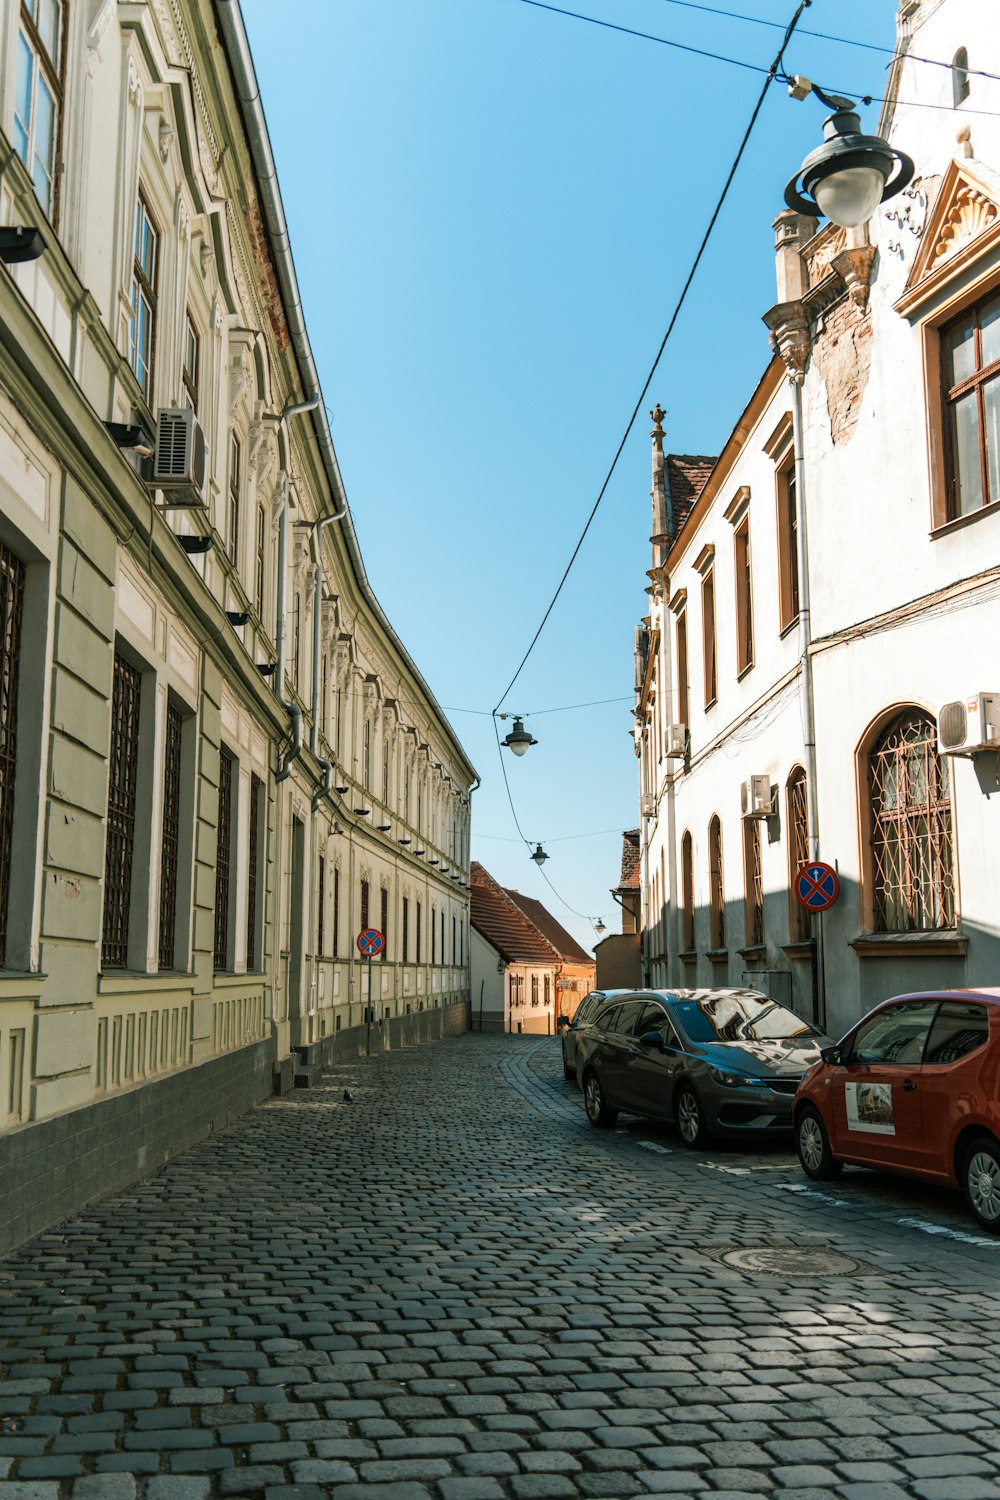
<point x="450" y="1287"/>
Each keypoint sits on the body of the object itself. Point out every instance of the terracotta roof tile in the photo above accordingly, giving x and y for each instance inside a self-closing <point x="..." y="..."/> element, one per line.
<point x="499" y="919"/>
<point x="631" y="857"/>
<point x="567" y="947"/>
<point x="687" y="474"/>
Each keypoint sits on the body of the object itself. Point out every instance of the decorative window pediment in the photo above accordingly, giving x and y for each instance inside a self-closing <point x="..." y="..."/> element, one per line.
<point x="963" y="224"/>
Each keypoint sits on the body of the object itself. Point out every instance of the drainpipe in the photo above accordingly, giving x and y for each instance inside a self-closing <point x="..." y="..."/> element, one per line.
<point x="292" y="709"/>
<point x="315" y="541"/>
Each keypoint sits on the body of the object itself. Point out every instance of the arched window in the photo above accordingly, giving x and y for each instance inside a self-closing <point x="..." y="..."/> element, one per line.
<point x="911" y="844"/>
<point x="366" y="755"/>
<point x="687" y="893"/>
<point x="716" y="890"/>
<point x="753" y="883"/>
<point x="796" y="796"/>
<point x="960" y="76"/>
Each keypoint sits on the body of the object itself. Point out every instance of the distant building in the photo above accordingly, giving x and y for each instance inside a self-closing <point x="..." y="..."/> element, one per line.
<point x="526" y="969"/>
<point x="619" y="955"/>
<point x="816" y="676"/>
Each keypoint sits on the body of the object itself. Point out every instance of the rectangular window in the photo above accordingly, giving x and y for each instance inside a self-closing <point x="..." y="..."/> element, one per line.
<point x="366" y="756"/>
<point x="744" y="597"/>
<point x="799" y="921"/>
<point x="683" y="707"/>
<point x="788" y="543"/>
<point x="385" y="773"/>
<point x="296" y="640"/>
<point x="384" y="921"/>
<point x="38" y="96"/>
<point x="547" y="991"/>
<point x="223" y="957"/>
<point x="233" y="529"/>
<point x="260" y="581"/>
<point x="170" y="838"/>
<point x="534" y="989"/>
<point x="970" y="368"/>
<point x="122" y="765"/>
<point x="254" y="871"/>
<point x="364" y="905"/>
<point x="433" y="937"/>
<point x="454" y="950"/>
<point x="320" y="903"/>
<point x="336" y="911"/>
<point x="12" y="578"/>
<point x="442" y="936"/>
<point x="406" y="929"/>
<point x="417" y="931"/>
<point x="753" y="883"/>
<point x="142" y="323"/>
<point x="189" y="364"/>
<point x="708" y="638"/>
<point x="687" y="893"/>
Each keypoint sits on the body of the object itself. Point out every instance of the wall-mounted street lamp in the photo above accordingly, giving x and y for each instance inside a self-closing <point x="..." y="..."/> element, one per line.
<point x="539" y="856"/>
<point x="267" y="668"/>
<point x="194" y="546"/>
<point x="846" y="178"/>
<point x="384" y="827"/>
<point x="404" y="841"/>
<point x="238" y="617"/>
<point x="19" y="244"/>
<point x="519" y="739"/>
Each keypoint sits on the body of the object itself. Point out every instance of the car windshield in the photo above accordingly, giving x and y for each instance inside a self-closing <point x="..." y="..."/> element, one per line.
<point x="739" y="1016"/>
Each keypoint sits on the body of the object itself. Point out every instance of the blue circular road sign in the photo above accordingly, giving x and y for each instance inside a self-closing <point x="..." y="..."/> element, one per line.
<point x="817" y="886"/>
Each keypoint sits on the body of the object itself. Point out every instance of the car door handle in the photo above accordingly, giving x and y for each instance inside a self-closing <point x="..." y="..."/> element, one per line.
<point x="909" y="1085"/>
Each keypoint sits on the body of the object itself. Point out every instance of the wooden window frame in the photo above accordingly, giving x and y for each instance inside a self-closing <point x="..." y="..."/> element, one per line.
<point x="364" y="904"/>
<point x="753" y="883"/>
<point x="335" y="932"/>
<point x="384" y="921"/>
<point x="787" y="528"/>
<point x="190" y="370"/>
<point x="255" y="876"/>
<point x="687" y="892"/>
<point x="260" y="580"/>
<point x="54" y="72"/>
<point x="320" y="905"/>
<point x="233" y="499"/>
<point x="143" y="294"/>
<point x="405" y="955"/>
<point x="710" y="663"/>
<point x="716" y="886"/>
<point x="170" y="836"/>
<point x="972" y="385"/>
<point x="681" y="651"/>
<point x="743" y="567"/>
<point x="126" y="717"/>
<point x="225" y="848"/>
<point x="797" y="823"/>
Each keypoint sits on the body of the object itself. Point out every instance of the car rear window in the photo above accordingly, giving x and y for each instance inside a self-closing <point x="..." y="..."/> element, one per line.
<point x="958" y="1029"/>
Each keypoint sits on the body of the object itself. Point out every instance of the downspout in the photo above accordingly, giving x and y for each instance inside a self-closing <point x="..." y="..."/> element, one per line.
<point x="315" y="541"/>
<point x="292" y="709"/>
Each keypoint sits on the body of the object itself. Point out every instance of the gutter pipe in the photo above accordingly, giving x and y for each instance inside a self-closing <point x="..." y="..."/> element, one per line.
<point x="292" y="709"/>
<point x="316" y="543"/>
<point x="237" y="49"/>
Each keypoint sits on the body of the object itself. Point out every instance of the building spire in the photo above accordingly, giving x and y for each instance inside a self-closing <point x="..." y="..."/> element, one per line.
<point x="661" y="512"/>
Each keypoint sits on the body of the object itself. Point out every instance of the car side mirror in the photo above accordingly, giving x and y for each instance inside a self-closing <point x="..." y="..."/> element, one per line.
<point x="651" y="1039"/>
<point x="832" y="1055"/>
<point x="562" y="1021"/>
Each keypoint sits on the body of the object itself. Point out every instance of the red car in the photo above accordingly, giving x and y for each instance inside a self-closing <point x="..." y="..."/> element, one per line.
<point x="913" y="1088"/>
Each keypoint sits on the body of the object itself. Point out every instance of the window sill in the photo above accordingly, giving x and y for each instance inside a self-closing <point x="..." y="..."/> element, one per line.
<point x="918" y="944"/>
<point x="804" y="949"/>
<point x="787" y="629"/>
<point x="754" y="950"/>
<point x="958" y="522"/>
<point x="745" y="671"/>
<point x="16" y="984"/>
<point x="121" y="981"/>
<point x="717" y="955"/>
<point x="689" y="956"/>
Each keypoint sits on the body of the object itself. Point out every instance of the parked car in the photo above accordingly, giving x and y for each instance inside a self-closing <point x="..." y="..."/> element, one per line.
<point x="913" y="1088"/>
<point x="570" y="1026"/>
<point x="716" y="1062"/>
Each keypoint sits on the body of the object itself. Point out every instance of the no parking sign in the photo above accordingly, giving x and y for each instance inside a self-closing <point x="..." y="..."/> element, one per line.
<point x="817" y="886"/>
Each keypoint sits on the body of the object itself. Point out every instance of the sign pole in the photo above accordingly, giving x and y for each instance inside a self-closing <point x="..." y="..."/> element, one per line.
<point x="368" y="1012"/>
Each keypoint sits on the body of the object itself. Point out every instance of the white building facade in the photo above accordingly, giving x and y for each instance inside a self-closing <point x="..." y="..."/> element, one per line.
<point x="834" y="584"/>
<point x="218" y="760"/>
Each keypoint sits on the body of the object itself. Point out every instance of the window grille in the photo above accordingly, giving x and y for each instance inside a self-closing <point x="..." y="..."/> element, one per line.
<point x="336" y="911"/>
<point x="912" y="846"/>
<point x="222" y="858"/>
<point x="142" y="324"/>
<point x="433" y="927"/>
<point x="320" y="903"/>
<point x="406" y="929"/>
<point x="256" y="797"/>
<point x="122" y="763"/>
<point x="798" y="825"/>
<point x="364" y="905"/>
<point x="417" y="931"/>
<point x="12" y="575"/>
<point x="754" y="882"/>
<point x="170" y="838"/>
<point x="38" y="97"/>
<point x="233" y="537"/>
<point x="385" y="921"/>
<point x="717" y="898"/>
<point x="687" y="893"/>
<point x="442" y="935"/>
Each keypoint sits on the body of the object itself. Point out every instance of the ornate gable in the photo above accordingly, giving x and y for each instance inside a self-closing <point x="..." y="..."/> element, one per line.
<point x="963" y="224"/>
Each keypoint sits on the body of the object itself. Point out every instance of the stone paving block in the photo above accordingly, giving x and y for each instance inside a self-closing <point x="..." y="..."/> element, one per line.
<point x="167" y="1487"/>
<point x="105" y="1487"/>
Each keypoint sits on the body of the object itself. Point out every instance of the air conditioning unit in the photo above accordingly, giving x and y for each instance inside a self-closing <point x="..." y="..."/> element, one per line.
<point x="647" y="804"/>
<point x="676" y="741"/>
<point x="180" y="460"/>
<point x="755" y="797"/>
<point x="969" y="724"/>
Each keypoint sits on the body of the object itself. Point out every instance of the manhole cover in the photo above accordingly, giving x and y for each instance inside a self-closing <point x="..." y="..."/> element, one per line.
<point x="788" y="1260"/>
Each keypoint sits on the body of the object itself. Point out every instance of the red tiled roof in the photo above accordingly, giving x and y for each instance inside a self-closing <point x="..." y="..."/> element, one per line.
<point x="630" y="860"/>
<point x="498" y="919"/>
<point x="686" y="475"/>
<point x="567" y="947"/>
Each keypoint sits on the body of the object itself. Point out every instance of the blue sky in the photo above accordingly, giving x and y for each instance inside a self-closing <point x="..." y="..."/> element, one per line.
<point x="493" y="209"/>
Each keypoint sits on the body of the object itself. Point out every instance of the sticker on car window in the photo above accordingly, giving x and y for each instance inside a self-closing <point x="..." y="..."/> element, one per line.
<point x="869" y="1108"/>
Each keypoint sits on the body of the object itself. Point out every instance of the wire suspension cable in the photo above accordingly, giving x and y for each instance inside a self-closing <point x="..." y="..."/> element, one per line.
<point x="772" y="73"/>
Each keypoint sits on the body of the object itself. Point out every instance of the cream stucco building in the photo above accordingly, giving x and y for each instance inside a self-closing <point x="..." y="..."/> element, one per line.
<point x="832" y="580"/>
<point x="217" y="760"/>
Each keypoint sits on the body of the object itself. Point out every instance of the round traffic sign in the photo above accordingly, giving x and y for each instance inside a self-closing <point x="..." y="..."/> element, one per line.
<point x="370" y="942"/>
<point x="817" y="886"/>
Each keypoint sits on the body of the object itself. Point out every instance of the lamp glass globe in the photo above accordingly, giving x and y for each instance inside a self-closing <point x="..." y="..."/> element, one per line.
<point x="850" y="196"/>
<point x="518" y="746"/>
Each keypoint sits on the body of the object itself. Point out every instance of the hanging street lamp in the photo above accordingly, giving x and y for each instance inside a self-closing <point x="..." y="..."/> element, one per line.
<point x="846" y="178"/>
<point x="539" y="856"/>
<point x="599" y="927"/>
<point x="519" y="739"/>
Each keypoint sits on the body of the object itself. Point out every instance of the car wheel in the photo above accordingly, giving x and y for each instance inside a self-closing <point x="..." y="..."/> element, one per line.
<point x="598" y="1113"/>
<point x="690" y="1117"/>
<point x="814" y="1147"/>
<point x="981" y="1181"/>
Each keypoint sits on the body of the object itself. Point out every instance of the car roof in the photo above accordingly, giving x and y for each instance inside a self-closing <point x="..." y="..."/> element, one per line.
<point x="991" y="994"/>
